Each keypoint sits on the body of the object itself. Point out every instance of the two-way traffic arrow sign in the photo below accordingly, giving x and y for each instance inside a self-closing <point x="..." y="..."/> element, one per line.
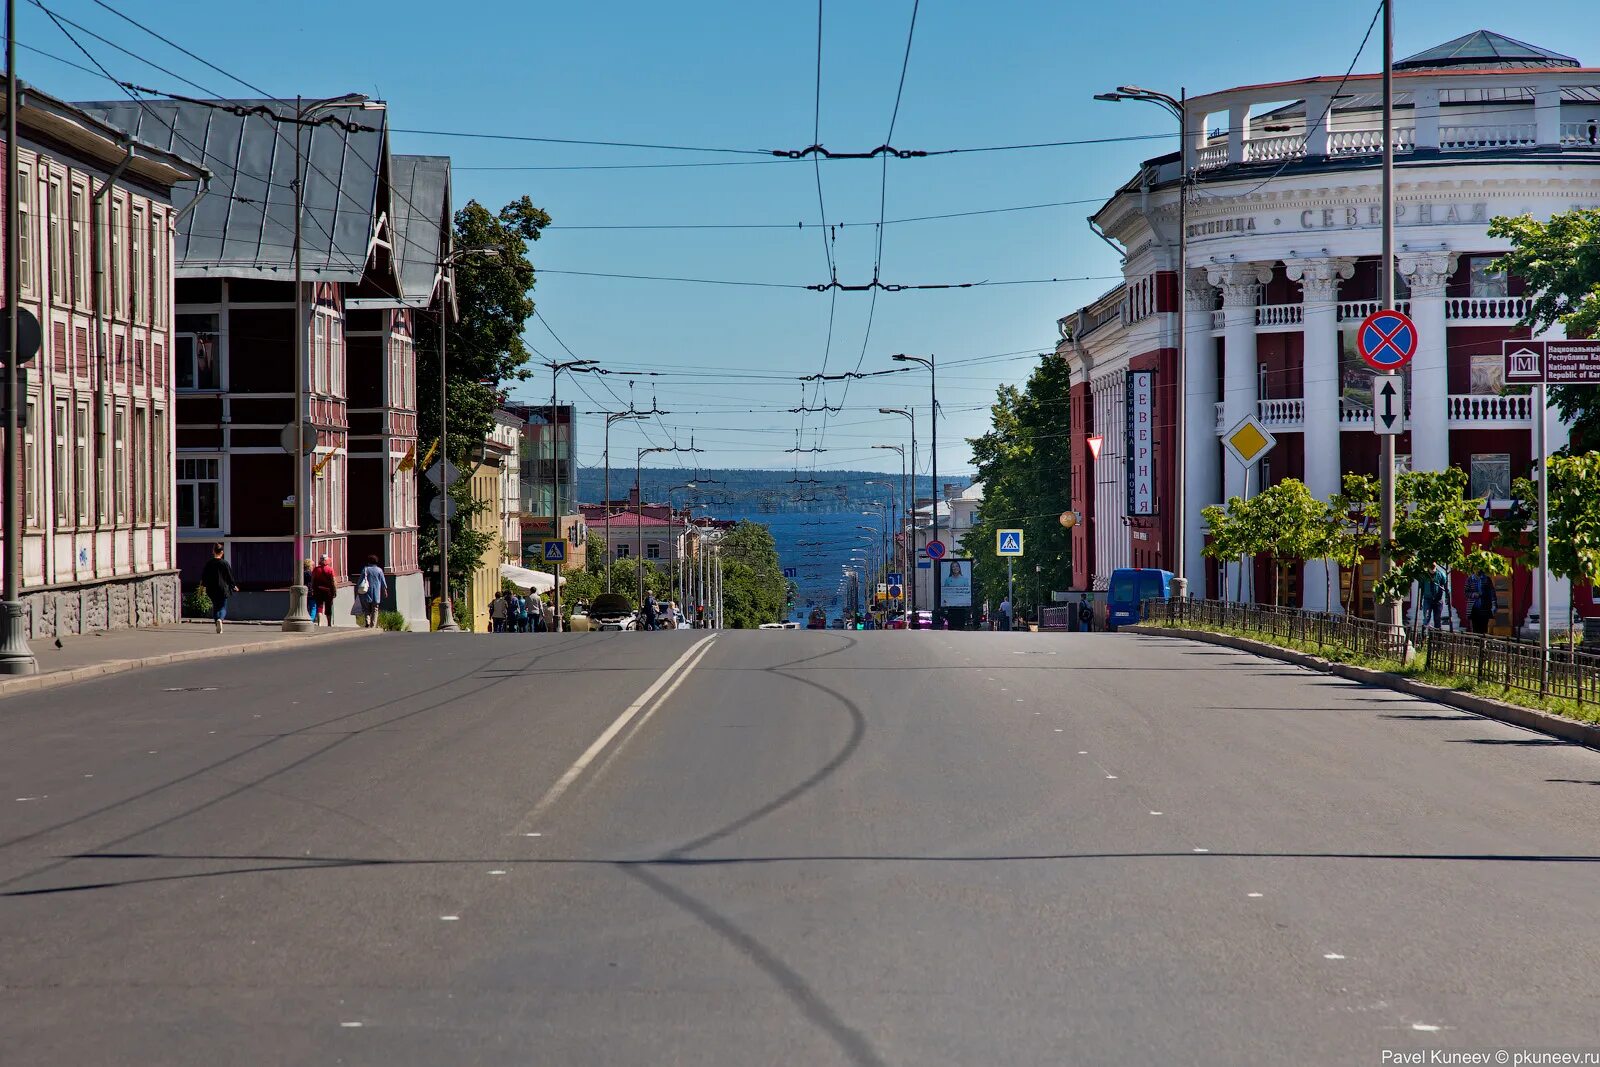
<point x="1388" y="404"/>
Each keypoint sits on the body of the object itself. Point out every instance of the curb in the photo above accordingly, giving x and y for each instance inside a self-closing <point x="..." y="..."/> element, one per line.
<point x="1512" y="714"/>
<point x="53" y="679"/>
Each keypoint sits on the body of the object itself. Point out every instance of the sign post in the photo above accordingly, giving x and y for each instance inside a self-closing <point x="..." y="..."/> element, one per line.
<point x="1543" y="364"/>
<point x="555" y="554"/>
<point x="1247" y="442"/>
<point x="1387" y="339"/>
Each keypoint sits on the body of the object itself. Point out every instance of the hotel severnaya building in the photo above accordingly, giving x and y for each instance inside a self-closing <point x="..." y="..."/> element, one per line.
<point x="1285" y="234"/>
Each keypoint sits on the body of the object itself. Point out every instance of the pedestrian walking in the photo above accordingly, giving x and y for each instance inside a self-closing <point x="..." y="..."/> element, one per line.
<point x="519" y="614"/>
<point x="497" y="612"/>
<point x="1482" y="602"/>
<point x="1004" y="614"/>
<point x="370" y="591"/>
<point x="217" y="580"/>
<point x="1434" y="588"/>
<point x="536" y="619"/>
<point x="1085" y="613"/>
<point x="323" y="587"/>
<point x="306" y="567"/>
<point x="651" y="609"/>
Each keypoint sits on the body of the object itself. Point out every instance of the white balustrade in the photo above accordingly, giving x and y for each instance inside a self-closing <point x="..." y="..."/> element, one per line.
<point x="1211" y="156"/>
<point x="1503" y="135"/>
<point x="1356" y="310"/>
<point x="1219" y="319"/>
<point x="1580" y="134"/>
<point x="1486" y="308"/>
<point x="1287" y="412"/>
<point x="1273" y="149"/>
<point x="1280" y="314"/>
<point x="1470" y="409"/>
<point x="1369" y="142"/>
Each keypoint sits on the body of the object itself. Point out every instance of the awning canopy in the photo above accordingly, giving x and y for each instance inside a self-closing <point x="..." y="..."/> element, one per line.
<point x="526" y="579"/>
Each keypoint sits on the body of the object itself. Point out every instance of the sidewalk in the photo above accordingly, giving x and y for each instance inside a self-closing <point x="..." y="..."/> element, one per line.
<point x="115" y="651"/>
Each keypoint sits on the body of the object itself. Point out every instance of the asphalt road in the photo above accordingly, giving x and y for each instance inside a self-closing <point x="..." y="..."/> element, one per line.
<point x="783" y="848"/>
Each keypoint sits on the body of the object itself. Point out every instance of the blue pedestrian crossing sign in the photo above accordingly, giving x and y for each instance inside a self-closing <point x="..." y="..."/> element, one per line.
<point x="1008" y="542"/>
<point x="555" y="551"/>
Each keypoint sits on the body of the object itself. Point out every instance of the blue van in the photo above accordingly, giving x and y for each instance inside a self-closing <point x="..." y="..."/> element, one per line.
<point x="1130" y="587"/>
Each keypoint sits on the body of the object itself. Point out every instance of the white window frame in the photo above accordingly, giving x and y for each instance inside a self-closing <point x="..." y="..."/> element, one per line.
<point x="61" y="470"/>
<point x="158" y="291"/>
<point x="31" y="465"/>
<point x="80" y="464"/>
<point x="78" y="207"/>
<point x="58" y="242"/>
<point x="160" y="450"/>
<point x="138" y="291"/>
<point x="141" y="464"/>
<point x="190" y="486"/>
<point x="118" y="261"/>
<point x="25" y="251"/>
<point x="119" y="464"/>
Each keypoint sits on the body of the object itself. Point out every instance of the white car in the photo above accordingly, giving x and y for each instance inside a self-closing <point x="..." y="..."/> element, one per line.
<point x="771" y="626"/>
<point x="789" y="625"/>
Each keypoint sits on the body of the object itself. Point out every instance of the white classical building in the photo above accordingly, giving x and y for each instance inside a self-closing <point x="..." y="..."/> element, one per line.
<point x="1284" y="234"/>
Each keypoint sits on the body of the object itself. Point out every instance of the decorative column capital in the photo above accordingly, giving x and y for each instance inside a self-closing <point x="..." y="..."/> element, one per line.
<point x="1198" y="293"/>
<point x="1427" y="272"/>
<point x="1240" y="282"/>
<point x="1319" y="278"/>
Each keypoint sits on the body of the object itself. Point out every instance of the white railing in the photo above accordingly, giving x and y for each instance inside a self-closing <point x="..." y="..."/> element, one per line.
<point x="1272" y="149"/>
<point x="1466" y="408"/>
<point x="1219" y="319"/>
<point x="1356" y="310"/>
<point x="1580" y="134"/>
<point x="1285" y="411"/>
<point x="1211" y="156"/>
<point x="1369" y="142"/>
<point x="1353" y="417"/>
<point x="1280" y="314"/>
<point x="1486" y="308"/>
<point x="1504" y="135"/>
<point x="1222" y="427"/>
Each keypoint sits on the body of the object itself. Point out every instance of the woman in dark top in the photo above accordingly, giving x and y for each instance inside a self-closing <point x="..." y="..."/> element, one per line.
<point x="323" y="587"/>
<point x="217" y="580"/>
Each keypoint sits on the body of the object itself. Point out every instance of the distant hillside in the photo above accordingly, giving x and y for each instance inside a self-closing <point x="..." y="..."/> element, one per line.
<point x="755" y="491"/>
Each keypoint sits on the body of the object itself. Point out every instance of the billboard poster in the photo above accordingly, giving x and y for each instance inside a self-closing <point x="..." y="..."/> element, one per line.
<point x="1141" y="442"/>
<point x="955" y="583"/>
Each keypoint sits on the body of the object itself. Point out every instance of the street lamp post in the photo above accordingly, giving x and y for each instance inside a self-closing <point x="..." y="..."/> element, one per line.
<point x="297" y="619"/>
<point x="677" y="560"/>
<point x="905" y="564"/>
<point x="1178" y="108"/>
<point x="447" y="267"/>
<point x="555" y="474"/>
<point x="910" y="514"/>
<point x="612" y="416"/>
<point x="16" y="657"/>
<point x="933" y="461"/>
<point x="638" y="529"/>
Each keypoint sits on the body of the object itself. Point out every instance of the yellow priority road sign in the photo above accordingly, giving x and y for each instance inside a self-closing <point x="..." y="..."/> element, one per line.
<point x="1249" y="440"/>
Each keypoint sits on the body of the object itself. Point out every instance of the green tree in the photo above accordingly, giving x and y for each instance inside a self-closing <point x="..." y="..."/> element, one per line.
<point x="1432" y="520"/>
<point x="493" y="295"/>
<point x="1560" y="261"/>
<point x="1024" y="463"/>
<point x="1232" y="534"/>
<point x="1291" y="526"/>
<point x="1353" y="528"/>
<point x="1574" y="509"/>
<point x="753" y="587"/>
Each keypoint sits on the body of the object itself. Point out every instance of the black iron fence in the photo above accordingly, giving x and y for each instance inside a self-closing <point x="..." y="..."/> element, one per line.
<point x="1445" y="655"/>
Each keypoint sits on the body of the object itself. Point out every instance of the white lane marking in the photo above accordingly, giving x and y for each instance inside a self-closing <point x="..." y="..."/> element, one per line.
<point x="1083" y="752"/>
<point x="1202" y="850"/>
<point x="88" y="776"/>
<point x="1252" y="894"/>
<point x="1112" y="777"/>
<point x="1019" y="700"/>
<point x="1332" y="956"/>
<point x="1158" y="813"/>
<point x="44" y="796"/>
<point x="1427" y="1028"/>
<point x="1059" y="730"/>
<point x="670" y="675"/>
<point x="351" y="1026"/>
<point x="449" y="918"/>
<point x="497" y="872"/>
<point x="533" y="835"/>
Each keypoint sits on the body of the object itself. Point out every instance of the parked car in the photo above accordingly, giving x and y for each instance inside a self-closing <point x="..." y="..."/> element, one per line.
<point x="612" y="612"/>
<point x="580" y="622"/>
<point x="772" y="626"/>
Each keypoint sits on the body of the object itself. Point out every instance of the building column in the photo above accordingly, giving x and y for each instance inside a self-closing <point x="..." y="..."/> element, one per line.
<point x="1241" y="288"/>
<point x="1319" y="283"/>
<point x="1201" y="455"/>
<point x="1427" y="273"/>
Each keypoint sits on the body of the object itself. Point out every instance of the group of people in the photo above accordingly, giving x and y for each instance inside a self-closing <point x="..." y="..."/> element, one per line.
<point x="518" y="613"/>
<point x="322" y="585"/>
<point x="666" y="615"/>
<point x="1483" y="601"/>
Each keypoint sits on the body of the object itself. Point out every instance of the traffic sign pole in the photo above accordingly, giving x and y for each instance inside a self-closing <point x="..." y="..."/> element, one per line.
<point x="1389" y="611"/>
<point x="1010" y="589"/>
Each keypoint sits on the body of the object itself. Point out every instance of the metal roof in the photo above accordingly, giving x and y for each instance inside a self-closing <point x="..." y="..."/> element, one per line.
<point x="1485" y="48"/>
<point x="422" y="223"/>
<point x="245" y="227"/>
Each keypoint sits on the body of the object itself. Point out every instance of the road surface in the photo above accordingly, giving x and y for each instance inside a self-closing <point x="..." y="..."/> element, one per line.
<point x="783" y="847"/>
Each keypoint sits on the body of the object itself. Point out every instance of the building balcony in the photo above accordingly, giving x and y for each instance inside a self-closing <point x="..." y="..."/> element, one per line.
<point x="1458" y="311"/>
<point x="1368" y="141"/>
<point x="1463" y="411"/>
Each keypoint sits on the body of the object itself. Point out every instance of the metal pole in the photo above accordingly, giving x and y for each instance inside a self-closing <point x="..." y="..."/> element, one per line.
<point x="911" y="519"/>
<point x="555" y="498"/>
<point x="447" y="615"/>
<point x="1010" y="589"/>
<point x="638" y="528"/>
<point x="1387" y="612"/>
<point x="15" y="655"/>
<point x="607" y="495"/>
<point x="938" y="493"/>
<point x="1180" y="554"/>
<point x="1541" y="445"/>
<point x="297" y="619"/>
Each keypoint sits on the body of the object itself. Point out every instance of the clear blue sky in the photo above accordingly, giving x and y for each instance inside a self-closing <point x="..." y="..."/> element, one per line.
<point x="742" y="75"/>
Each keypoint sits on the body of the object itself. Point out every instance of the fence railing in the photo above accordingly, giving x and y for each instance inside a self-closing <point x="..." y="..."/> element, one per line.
<point x="1445" y="655"/>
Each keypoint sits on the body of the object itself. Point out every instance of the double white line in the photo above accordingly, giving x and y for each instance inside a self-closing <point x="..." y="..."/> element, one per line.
<point x="651" y="699"/>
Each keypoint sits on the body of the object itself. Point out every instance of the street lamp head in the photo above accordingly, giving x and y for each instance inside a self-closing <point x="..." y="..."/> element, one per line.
<point x="1109" y="98"/>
